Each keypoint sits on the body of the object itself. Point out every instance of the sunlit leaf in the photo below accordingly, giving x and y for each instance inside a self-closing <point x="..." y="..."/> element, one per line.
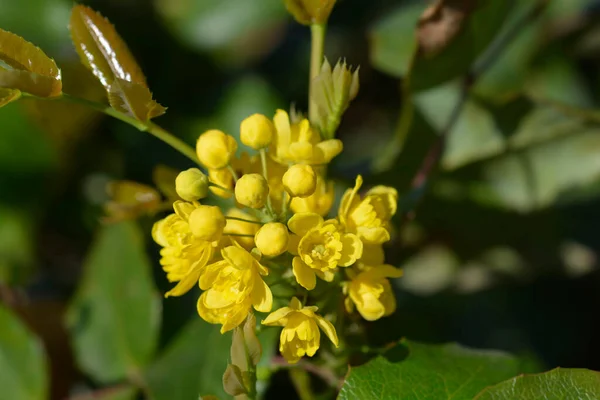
<point x="27" y="68"/>
<point x="115" y="317"/>
<point x="560" y="383"/>
<point x="102" y="50"/>
<point x="23" y="374"/>
<point x="421" y="371"/>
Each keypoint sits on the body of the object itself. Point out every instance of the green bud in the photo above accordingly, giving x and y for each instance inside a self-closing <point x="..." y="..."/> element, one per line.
<point x="191" y="185"/>
<point x="332" y="92"/>
<point x="309" y="12"/>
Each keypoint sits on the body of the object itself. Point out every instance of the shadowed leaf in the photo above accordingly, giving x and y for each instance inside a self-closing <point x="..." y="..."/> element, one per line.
<point x="102" y="50"/>
<point x="8" y="96"/>
<point x="28" y="68"/>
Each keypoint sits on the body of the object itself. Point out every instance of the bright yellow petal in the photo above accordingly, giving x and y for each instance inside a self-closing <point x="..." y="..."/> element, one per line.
<point x="295" y="304"/>
<point x="305" y="276"/>
<point x="262" y="298"/>
<point x="327" y="275"/>
<point x="330" y="149"/>
<point x="211" y="273"/>
<point x="192" y="277"/>
<point x="385" y="271"/>
<point x="281" y="120"/>
<point x="348" y="200"/>
<point x="372" y="254"/>
<point x="237" y="257"/>
<point x="351" y="251"/>
<point x="183" y="209"/>
<point x="236" y="317"/>
<point x="388" y="195"/>
<point x="301" y="152"/>
<point x="303" y="222"/>
<point x="278" y="317"/>
<point x="293" y="242"/>
<point x="328" y="329"/>
<point x="377" y="235"/>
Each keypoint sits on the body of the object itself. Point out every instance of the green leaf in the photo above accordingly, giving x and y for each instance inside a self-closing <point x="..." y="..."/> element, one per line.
<point x="560" y="383"/>
<point x="124" y="392"/>
<point x="395" y="48"/>
<point x="414" y="371"/>
<point x="102" y="50"/>
<point x="114" y="319"/>
<point x="25" y="67"/>
<point x="23" y="368"/>
<point x="192" y="365"/>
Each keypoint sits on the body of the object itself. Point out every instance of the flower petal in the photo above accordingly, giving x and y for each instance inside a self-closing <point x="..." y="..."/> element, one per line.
<point x="388" y="196"/>
<point x="237" y="257"/>
<point x="375" y="235"/>
<point x="305" y="276"/>
<point x="328" y="329"/>
<point x="211" y="273"/>
<point x="293" y="242"/>
<point x="351" y="251"/>
<point x="372" y="254"/>
<point x="192" y="277"/>
<point x="278" y="317"/>
<point x="326" y="275"/>
<point x="348" y="200"/>
<point x="385" y="271"/>
<point x="303" y="222"/>
<point x="262" y="298"/>
<point x="295" y="304"/>
<point x="330" y="149"/>
<point x="183" y="209"/>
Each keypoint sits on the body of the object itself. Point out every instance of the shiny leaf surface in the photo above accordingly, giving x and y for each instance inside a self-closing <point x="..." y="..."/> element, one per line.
<point x="102" y="50"/>
<point x="27" y="68"/>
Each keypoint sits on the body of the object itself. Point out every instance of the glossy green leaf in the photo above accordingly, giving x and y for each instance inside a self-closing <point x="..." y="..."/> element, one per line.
<point x="114" y="318"/>
<point x="102" y="50"/>
<point x="192" y="365"/>
<point x="8" y="96"/>
<point x="27" y="68"/>
<point x="415" y="371"/>
<point x="560" y="383"/>
<point x="23" y="369"/>
<point x="395" y="49"/>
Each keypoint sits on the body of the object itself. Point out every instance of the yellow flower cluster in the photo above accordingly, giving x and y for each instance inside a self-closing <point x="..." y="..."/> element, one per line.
<point x="276" y="230"/>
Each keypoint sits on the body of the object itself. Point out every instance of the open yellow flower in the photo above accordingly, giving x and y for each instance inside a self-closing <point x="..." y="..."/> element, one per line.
<point x="370" y="291"/>
<point x="300" y="143"/>
<point x="300" y="335"/>
<point x="183" y="256"/>
<point x="369" y="217"/>
<point x="321" y="248"/>
<point x="232" y="286"/>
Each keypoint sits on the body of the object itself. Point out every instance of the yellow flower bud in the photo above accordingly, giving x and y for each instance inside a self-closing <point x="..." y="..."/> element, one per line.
<point x="215" y="149"/>
<point x="252" y="190"/>
<point x="257" y="131"/>
<point x="272" y="239"/>
<point x="207" y="223"/>
<point x="191" y="185"/>
<point x="300" y="180"/>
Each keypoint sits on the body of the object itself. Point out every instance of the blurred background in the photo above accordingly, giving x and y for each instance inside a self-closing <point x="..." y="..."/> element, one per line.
<point x="501" y="253"/>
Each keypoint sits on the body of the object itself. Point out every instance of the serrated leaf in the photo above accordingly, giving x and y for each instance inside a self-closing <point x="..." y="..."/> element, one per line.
<point x="192" y="364"/>
<point x="102" y="50"/>
<point x="115" y="317"/>
<point x="29" y="69"/>
<point x="23" y="369"/>
<point x="415" y="371"/>
<point x="560" y="383"/>
<point x="134" y="100"/>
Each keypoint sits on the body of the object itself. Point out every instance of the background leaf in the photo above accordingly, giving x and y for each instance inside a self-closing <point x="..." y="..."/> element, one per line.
<point x="23" y="374"/>
<point x="114" y="318"/>
<point x="415" y="371"/>
<point x="560" y="383"/>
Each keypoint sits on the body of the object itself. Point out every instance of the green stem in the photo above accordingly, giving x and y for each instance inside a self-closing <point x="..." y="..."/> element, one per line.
<point x="212" y="184"/>
<point x="244" y="220"/>
<point x="317" y="49"/>
<point x="148" y="126"/>
<point x="237" y="234"/>
<point x="234" y="174"/>
<point x="251" y="395"/>
<point x="263" y="160"/>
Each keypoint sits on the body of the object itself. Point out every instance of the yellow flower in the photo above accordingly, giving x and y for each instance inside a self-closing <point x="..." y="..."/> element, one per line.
<point x="183" y="256"/>
<point x="299" y="143"/>
<point x="300" y="180"/>
<point x="257" y="131"/>
<point x="252" y="190"/>
<point x="369" y="217"/>
<point x="240" y="228"/>
<point x="272" y="239"/>
<point x="300" y="335"/>
<point x="319" y="202"/>
<point x="130" y="200"/>
<point x="371" y="292"/>
<point x="214" y="149"/>
<point x="321" y="248"/>
<point x="207" y="223"/>
<point x="191" y="184"/>
<point x="232" y="286"/>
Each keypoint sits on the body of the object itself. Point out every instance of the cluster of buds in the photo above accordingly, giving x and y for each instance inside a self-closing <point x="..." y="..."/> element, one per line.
<point x="273" y="228"/>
